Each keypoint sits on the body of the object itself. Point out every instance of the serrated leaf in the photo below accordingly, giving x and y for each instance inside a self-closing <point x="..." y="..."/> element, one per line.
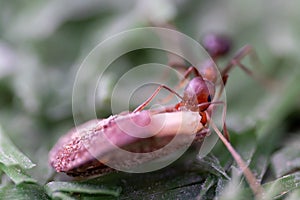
<point x="76" y="187"/>
<point x="10" y="155"/>
<point x="23" y="192"/>
<point x="16" y="174"/>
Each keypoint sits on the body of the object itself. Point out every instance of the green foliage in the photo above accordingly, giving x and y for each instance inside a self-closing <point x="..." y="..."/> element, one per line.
<point x="10" y="155"/>
<point x="42" y="44"/>
<point x="58" y="188"/>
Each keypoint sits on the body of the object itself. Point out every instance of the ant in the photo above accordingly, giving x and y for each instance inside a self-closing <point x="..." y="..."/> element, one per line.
<point x="200" y="91"/>
<point x="72" y="156"/>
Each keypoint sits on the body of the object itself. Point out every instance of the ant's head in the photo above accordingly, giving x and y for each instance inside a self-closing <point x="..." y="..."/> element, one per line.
<point x="216" y="45"/>
<point x="198" y="91"/>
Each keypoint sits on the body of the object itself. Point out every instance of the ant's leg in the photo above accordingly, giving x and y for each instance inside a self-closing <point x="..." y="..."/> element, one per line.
<point x="251" y="179"/>
<point x="236" y="62"/>
<point x="143" y="105"/>
<point x="226" y="133"/>
<point x="244" y="51"/>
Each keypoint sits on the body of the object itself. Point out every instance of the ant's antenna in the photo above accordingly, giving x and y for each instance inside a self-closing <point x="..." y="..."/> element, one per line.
<point x="143" y="105"/>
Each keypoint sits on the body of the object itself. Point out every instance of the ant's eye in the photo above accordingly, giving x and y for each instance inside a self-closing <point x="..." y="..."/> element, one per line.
<point x="209" y="98"/>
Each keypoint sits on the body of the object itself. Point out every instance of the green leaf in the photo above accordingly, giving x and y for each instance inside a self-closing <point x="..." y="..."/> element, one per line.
<point x="173" y="180"/>
<point x="221" y="186"/>
<point x="16" y="174"/>
<point x="10" y="155"/>
<point x="283" y="185"/>
<point x="94" y="197"/>
<point x="158" y="183"/>
<point x="206" y="186"/>
<point x="233" y="188"/>
<point x="277" y="188"/>
<point x="211" y="164"/>
<point x="285" y="100"/>
<point x="295" y="195"/>
<point x="287" y="159"/>
<point x="23" y="192"/>
<point x="261" y="158"/>
<point x="76" y="187"/>
<point x="186" y="192"/>
<point x="62" y="196"/>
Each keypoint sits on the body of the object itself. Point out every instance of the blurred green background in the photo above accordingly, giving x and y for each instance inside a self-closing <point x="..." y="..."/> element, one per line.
<point x="42" y="44"/>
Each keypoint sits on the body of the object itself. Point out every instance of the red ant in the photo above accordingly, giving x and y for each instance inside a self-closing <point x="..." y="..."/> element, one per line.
<point x="72" y="156"/>
<point x="200" y="91"/>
